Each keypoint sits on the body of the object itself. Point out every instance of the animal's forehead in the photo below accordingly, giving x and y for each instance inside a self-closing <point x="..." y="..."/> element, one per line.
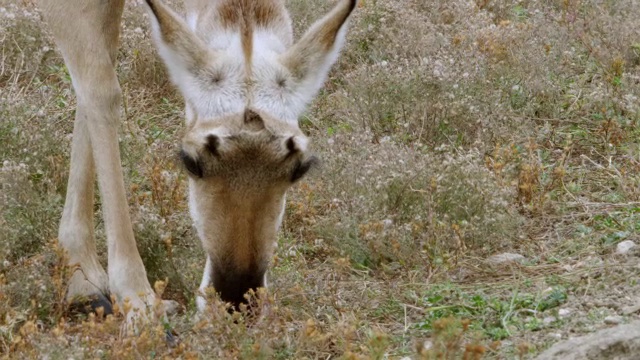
<point x="237" y="124"/>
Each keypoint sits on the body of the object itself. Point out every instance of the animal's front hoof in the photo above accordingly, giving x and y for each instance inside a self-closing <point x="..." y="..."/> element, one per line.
<point x="91" y="304"/>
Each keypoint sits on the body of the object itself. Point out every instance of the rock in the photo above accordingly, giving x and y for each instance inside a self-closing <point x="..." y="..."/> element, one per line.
<point x="607" y="303"/>
<point x="563" y="313"/>
<point x="546" y="292"/>
<point x="506" y="258"/>
<point x="588" y="305"/>
<point x="556" y="336"/>
<point x="548" y="320"/>
<point x="427" y="344"/>
<point x="623" y="247"/>
<point x="621" y="342"/>
<point x="628" y="310"/>
<point x="613" y="320"/>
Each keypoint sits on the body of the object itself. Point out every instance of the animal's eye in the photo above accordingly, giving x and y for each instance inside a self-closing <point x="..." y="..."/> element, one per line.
<point x="302" y="167"/>
<point x="213" y="142"/>
<point x="191" y="164"/>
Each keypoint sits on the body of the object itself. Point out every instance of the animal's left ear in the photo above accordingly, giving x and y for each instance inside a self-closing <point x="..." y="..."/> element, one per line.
<point x="184" y="54"/>
<point x="310" y="59"/>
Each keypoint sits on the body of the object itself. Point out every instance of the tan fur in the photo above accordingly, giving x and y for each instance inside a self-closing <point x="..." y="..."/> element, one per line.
<point x="247" y="15"/>
<point x="176" y="33"/>
<point x="299" y="59"/>
<point x="242" y="164"/>
<point x="242" y="187"/>
<point x="262" y="13"/>
<point x="246" y="37"/>
<point x="238" y="15"/>
<point x="87" y="34"/>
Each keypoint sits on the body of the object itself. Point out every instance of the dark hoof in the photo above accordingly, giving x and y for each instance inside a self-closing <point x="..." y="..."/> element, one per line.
<point x="172" y="339"/>
<point x="91" y="304"/>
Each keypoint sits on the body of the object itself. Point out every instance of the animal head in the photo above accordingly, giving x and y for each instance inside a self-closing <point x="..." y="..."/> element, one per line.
<point x="245" y="83"/>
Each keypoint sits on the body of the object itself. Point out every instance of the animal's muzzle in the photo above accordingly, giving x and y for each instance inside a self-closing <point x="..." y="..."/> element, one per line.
<point x="233" y="284"/>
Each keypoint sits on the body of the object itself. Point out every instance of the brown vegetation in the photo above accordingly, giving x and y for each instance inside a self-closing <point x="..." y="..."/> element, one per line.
<point x="449" y="131"/>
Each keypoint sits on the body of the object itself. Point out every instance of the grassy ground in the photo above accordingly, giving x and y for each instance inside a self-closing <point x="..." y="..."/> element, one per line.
<point x="449" y="131"/>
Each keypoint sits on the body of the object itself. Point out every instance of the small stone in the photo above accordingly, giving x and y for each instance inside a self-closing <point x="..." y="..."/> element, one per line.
<point x="427" y="345"/>
<point x="548" y="320"/>
<point x="547" y="291"/>
<point x="624" y="247"/>
<point x="555" y="336"/>
<point x="506" y="258"/>
<point x="617" y="342"/>
<point x="613" y="320"/>
<point x="588" y="305"/>
<point x="564" y="312"/>
<point x="628" y="310"/>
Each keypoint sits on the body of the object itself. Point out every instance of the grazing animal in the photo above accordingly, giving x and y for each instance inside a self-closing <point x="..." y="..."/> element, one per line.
<point x="244" y="82"/>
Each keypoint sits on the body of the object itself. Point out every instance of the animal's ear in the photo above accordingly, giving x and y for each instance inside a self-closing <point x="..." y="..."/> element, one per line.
<point x="182" y="51"/>
<point x="310" y="59"/>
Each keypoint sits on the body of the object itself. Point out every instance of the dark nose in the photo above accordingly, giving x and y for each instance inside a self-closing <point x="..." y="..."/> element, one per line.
<point x="233" y="284"/>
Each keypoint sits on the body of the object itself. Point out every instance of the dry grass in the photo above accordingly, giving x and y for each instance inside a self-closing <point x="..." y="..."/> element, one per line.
<point x="448" y="132"/>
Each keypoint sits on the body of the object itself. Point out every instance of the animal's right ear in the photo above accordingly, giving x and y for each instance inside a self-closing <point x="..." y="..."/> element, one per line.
<point x="182" y="51"/>
<point x="310" y="59"/>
